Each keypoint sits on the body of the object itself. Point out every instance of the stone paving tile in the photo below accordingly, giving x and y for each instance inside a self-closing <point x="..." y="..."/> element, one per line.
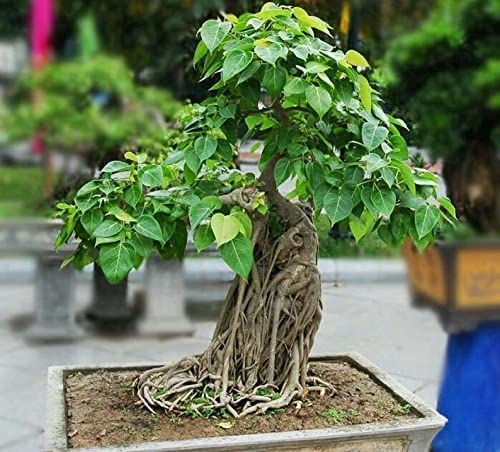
<point x="11" y="432"/>
<point x="38" y="358"/>
<point x="26" y="404"/>
<point x="33" y="443"/>
<point x="11" y="379"/>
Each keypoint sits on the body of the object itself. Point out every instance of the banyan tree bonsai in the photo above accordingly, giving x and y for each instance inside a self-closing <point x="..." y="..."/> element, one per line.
<point x="322" y="126"/>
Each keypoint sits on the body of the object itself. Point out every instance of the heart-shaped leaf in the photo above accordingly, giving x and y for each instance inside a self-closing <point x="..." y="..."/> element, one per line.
<point x="426" y="218"/>
<point x="238" y="254"/>
<point x="319" y="99"/>
<point x="225" y="228"/>
<point x="148" y="226"/>
<point x="384" y="200"/>
<point x="235" y="61"/>
<point x="373" y="135"/>
<point x="213" y="33"/>
<point x="116" y="260"/>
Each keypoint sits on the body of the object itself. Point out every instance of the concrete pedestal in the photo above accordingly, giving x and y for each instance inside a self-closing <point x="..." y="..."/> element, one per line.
<point x="165" y="314"/>
<point x="54" y="301"/>
<point x="109" y="307"/>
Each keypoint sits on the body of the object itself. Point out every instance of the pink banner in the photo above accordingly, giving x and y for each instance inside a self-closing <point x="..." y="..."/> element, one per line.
<point x="41" y="27"/>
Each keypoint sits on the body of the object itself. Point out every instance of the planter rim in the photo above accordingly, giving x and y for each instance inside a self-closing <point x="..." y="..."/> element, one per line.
<point x="56" y="431"/>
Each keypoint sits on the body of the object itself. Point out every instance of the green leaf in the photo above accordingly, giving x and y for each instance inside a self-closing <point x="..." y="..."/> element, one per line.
<point x="133" y="194"/>
<point x="270" y="52"/>
<point x="406" y="175"/>
<point x="250" y="70"/>
<point x="121" y="215"/>
<point x="203" y="237"/>
<point x="115" y="166"/>
<point x="338" y="204"/>
<point x="244" y="221"/>
<point x="295" y="86"/>
<point x="193" y="162"/>
<point x="198" y="213"/>
<point x="205" y="147"/>
<point x="365" y="92"/>
<point x="91" y="219"/>
<point x="225" y="228"/>
<point x="310" y="21"/>
<point x="66" y="231"/>
<point x="143" y="245"/>
<point x="384" y="200"/>
<point x="301" y="52"/>
<point x="356" y="59"/>
<point x="85" y="204"/>
<point x="282" y="171"/>
<point x="366" y="193"/>
<point x="116" y="260"/>
<point x="236" y="60"/>
<point x="114" y="238"/>
<point x="400" y="147"/>
<point x="448" y="206"/>
<point x="319" y="99"/>
<point x="373" y="135"/>
<point x="213" y="33"/>
<point x="274" y="80"/>
<point x="200" y="51"/>
<point x="353" y="176"/>
<point x="108" y="228"/>
<point x="345" y="90"/>
<point x="400" y="224"/>
<point x="373" y="162"/>
<point x="151" y="176"/>
<point x="88" y="188"/>
<point x="148" y="226"/>
<point x="238" y="254"/>
<point x="362" y="225"/>
<point x="315" y="67"/>
<point x="388" y="176"/>
<point x="426" y="218"/>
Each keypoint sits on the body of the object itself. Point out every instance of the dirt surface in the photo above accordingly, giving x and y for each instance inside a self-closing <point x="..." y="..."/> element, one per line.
<point x="102" y="410"/>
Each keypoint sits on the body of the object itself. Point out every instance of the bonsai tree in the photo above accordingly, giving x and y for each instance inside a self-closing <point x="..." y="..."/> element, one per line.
<point x="320" y="124"/>
<point x="89" y="106"/>
<point x="445" y="78"/>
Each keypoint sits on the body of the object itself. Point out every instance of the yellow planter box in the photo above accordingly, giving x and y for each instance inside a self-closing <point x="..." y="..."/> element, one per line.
<point x="461" y="280"/>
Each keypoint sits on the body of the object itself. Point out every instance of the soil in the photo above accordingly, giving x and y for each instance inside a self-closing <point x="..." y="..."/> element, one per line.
<point x="103" y="411"/>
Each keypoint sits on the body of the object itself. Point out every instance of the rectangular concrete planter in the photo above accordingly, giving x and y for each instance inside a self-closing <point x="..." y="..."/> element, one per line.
<point x="414" y="435"/>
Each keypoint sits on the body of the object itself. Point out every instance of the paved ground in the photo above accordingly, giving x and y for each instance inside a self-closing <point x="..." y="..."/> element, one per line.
<point x="371" y="316"/>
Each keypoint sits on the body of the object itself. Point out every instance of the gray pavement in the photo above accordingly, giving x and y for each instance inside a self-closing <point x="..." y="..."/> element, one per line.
<point x="366" y="309"/>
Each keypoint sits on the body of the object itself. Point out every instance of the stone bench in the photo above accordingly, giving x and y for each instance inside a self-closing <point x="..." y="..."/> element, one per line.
<point x="55" y="288"/>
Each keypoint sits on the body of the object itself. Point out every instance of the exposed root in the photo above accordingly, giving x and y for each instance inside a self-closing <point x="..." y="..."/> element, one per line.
<point x="258" y="358"/>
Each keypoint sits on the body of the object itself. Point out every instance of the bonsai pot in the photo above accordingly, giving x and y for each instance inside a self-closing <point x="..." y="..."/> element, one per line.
<point x="413" y="435"/>
<point x="460" y="280"/>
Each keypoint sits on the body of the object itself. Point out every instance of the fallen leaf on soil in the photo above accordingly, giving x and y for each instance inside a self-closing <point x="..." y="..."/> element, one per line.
<point x="225" y="424"/>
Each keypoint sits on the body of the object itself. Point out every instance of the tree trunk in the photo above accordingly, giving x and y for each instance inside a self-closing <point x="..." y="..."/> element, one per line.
<point x="258" y="357"/>
<point x="473" y="185"/>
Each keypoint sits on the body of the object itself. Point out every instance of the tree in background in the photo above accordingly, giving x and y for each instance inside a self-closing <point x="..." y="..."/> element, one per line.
<point x="445" y="78"/>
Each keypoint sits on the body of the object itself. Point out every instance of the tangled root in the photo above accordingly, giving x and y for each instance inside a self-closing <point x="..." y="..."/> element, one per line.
<point x="258" y="357"/>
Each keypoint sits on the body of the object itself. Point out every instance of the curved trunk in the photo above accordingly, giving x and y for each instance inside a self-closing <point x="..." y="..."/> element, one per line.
<point x="258" y="356"/>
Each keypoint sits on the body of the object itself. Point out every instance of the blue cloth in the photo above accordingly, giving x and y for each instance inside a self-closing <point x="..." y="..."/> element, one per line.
<point x="470" y="392"/>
